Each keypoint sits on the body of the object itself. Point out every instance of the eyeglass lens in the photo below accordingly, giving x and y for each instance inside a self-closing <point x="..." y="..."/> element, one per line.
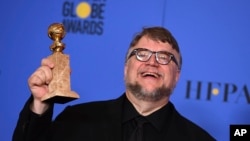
<point x="144" y="55"/>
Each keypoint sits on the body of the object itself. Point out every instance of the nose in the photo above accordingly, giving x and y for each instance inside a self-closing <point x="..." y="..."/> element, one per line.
<point x="152" y="60"/>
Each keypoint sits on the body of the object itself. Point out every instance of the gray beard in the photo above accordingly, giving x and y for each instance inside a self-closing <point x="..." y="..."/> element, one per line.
<point x="140" y="93"/>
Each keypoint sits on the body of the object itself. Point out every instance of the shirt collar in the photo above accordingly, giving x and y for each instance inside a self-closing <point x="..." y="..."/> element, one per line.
<point x="158" y="119"/>
<point x="129" y="112"/>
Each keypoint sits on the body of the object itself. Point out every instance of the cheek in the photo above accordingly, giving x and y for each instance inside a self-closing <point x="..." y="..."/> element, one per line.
<point x="130" y="71"/>
<point x="169" y="77"/>
<point x="131" y="74"/>
<point x="127" y="71"/>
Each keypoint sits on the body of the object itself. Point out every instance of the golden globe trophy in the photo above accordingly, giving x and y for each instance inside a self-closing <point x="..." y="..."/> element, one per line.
<point x="59" y="87"/>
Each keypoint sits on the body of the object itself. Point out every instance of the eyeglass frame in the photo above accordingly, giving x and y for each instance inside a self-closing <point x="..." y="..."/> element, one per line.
<point x="171" y="56"/>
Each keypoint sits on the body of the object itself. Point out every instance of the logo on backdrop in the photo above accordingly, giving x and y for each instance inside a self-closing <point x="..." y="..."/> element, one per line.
<point x="85" y="17"/>
<point x="217" y="91"/>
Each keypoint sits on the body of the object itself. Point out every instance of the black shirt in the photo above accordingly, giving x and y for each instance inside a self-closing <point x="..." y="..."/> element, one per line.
<point x="154" y="130"/>
<point x="165" y="124"/>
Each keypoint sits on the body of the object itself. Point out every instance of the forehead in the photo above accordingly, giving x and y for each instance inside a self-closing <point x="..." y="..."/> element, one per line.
<point x="154" y="45"/>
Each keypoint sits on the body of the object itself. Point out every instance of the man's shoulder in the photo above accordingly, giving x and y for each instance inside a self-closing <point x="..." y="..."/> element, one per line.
<point x="186" y="126"/>
<point x="96" y="104"/>
<point x="95" y="108"/>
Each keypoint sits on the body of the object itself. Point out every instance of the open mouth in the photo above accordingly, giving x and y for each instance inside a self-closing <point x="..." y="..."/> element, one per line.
<point x="150" y="74"/>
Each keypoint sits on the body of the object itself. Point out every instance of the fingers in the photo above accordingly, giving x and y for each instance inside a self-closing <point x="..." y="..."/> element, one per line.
<point x="47" y="62"/>
<point x="43" y="75"/>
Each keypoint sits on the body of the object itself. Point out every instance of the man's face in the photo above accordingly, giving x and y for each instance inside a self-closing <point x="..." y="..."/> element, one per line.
<point x="151" y="80"/>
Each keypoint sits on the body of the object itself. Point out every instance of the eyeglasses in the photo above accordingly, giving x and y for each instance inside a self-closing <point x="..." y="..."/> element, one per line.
<point x="162" y="57"/>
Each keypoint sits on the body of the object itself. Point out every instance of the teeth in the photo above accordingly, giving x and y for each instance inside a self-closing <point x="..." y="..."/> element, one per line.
<point x="151" y="74"/>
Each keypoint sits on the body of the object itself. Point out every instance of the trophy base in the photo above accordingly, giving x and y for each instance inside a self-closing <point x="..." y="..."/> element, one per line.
<point x="59" y="97"/>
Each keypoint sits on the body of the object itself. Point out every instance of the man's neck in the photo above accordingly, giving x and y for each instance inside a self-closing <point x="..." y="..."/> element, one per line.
<point x="146" y="107"/>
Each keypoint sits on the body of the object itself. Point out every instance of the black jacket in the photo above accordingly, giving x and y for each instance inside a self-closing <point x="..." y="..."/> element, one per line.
<point x="94" y="121"/>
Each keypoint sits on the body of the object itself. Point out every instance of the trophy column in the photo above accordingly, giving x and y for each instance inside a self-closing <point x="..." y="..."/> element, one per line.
<point x="59" y="87"/>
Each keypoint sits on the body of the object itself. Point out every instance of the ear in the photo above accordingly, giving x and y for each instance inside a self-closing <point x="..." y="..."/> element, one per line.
<point x="177" y="76"/>
<point x="125" y="69"/>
